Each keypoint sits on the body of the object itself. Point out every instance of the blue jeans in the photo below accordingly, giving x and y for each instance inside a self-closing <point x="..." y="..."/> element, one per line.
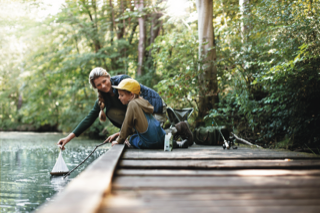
<point x="153" y="138"/>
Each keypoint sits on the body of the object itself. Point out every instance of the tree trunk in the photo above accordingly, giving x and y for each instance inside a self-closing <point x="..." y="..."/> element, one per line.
<point x="142" y="37"/>
<point x="132" y="32"/>
<point x="113" y="23"/>
<point x="95" y="37"/>
<point x="207" y="78"/>
<point x="155" y="28"/>
<point x="244" y="11"/>
<point x="20" y="89"/>
<point x="122" y="27"/>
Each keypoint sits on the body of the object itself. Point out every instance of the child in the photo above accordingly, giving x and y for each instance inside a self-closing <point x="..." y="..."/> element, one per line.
<point x="148" y="132"/>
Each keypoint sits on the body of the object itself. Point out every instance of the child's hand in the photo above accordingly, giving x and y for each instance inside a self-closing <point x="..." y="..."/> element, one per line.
<point x="127" y="143"/>
<point x="114" y="143"/>
<point x="112" y="137"/>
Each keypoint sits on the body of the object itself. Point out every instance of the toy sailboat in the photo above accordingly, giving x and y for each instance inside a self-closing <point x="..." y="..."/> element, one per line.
<point x="60" y="168"/>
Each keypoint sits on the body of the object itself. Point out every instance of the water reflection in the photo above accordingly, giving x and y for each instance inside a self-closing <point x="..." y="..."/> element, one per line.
<point x="58" y="182"/>
<point x="26" y="162"/>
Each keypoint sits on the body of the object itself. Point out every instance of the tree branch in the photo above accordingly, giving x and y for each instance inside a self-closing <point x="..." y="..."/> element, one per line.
<point x="244" y="141"/>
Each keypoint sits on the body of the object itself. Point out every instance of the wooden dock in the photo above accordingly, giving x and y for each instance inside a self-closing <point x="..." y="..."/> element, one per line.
<point x="197" y="179"/>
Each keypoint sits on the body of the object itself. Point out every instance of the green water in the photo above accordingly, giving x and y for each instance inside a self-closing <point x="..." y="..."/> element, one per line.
<point x="26" y="161"/>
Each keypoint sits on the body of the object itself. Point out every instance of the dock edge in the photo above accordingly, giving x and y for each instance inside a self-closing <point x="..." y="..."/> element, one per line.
<point x="84" y="193"/>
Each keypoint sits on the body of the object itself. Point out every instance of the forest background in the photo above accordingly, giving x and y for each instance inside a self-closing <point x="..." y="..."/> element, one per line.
<point x="264" y="63"/>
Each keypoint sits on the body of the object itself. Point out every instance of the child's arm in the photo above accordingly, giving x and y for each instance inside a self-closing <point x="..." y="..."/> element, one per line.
<point x="128" y="123"/>
<point x="124" y="133"/>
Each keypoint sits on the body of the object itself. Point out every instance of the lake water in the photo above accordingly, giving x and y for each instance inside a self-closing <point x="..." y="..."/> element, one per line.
<point x="26" y="162"/>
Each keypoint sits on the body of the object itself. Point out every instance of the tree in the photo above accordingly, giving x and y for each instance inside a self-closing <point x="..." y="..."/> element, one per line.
<point x="142" y="37"/>
<point x="207" y="80"/>
<point x="244" y="16"/>
<point x="15" y="26"/>
<point x="83" y="35"/>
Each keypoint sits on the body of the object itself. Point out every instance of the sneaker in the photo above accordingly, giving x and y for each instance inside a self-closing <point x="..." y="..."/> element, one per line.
<point x="184" y="132"/>
<point x="183" y="144"/>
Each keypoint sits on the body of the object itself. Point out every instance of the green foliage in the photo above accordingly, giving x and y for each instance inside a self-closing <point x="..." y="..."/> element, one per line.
<point x="270" y="82"/>
<point x="268" y="64"/>
<point x="14" y="21"/>
<point x="175" y="55"/>
<point x="64" y="48"/>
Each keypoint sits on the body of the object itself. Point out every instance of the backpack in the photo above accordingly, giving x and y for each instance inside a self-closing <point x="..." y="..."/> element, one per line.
<point x="210" y="135"/>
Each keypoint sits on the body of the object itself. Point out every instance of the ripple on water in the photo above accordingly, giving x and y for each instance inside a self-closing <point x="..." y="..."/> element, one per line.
<point x="26" y="162"/>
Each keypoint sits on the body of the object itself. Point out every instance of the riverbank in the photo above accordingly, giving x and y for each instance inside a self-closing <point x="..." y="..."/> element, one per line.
<point x="31" y="128"/>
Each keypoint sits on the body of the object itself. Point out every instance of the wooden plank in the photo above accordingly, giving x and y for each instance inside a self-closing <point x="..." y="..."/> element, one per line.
<point x="212" y="156"/>
<point x="125" y="182"/>
<point x="219" y="149"/>
<point x="244" y="172"/>
<point x="84" y="193"/>
<point x="118" y="201"/>
<point x="207" y="153"/>
<point x="219" y="209"/>
<point x="220" y="164"/>
<point x="146" y="201"/>
<point x="221" y="194"/>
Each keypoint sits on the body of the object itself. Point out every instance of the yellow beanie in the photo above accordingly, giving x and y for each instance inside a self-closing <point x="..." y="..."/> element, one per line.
<point x="130" y="85"/>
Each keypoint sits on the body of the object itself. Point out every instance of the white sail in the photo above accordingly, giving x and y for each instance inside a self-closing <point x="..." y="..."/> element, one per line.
<point x="60" y="166"/>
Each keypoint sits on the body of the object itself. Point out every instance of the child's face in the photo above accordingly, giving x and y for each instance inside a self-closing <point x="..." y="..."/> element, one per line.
<point x="125" y="97"/>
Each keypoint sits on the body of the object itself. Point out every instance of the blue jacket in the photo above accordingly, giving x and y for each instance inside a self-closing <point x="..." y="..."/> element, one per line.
<point x="147" y="93"/>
